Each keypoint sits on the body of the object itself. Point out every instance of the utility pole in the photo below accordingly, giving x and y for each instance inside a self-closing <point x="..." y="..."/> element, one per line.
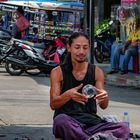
<point x="91" y="28"/>
<point x="85" y="17"/>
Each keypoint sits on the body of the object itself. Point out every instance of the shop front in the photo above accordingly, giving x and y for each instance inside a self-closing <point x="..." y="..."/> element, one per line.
<point x="47" y="18"/>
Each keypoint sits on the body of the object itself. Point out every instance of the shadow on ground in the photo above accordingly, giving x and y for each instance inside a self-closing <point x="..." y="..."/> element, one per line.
<point x="41" y="79"/>
<point x="14" y="132"/>
<point x="132" y="96"/>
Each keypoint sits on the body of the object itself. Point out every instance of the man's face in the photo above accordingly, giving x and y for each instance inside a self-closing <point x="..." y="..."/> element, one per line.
<point x="79" y="49"/>
<point x="17" y="14"/>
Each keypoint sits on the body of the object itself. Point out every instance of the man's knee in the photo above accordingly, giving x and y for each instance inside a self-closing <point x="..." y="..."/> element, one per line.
<point x="124" y="130"/>
<point x="58" y="139"/>
<point x="61" y="120"/>
<point x="128" y="53"/>
<point x="117" y="50"/>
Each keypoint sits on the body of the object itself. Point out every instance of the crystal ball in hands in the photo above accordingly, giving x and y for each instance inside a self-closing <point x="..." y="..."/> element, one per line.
<point x="89" y="91"/>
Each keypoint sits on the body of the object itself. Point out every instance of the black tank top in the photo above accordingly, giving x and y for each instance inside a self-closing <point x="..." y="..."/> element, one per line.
<point x="85" y="114"/>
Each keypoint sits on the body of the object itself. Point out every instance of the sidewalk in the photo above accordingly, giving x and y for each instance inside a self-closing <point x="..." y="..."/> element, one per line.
<point x="25" y="106"/>
<point x="126" y="80"/>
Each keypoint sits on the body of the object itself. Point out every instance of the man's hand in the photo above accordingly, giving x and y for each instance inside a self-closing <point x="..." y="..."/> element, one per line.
<point x="126" y="45"/>
<point x="134" y="45"/>
<point x="76" y="96"/>
<point x="101" y="95"/>
<point x="123" y="50"/>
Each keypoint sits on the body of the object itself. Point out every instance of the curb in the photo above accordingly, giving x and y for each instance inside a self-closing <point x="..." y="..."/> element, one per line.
<point x="2" y="66"/>
<point x="129" y="80"/>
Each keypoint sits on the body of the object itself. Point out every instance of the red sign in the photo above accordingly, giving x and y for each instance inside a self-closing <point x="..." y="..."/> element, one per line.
<point x="128" y="1"/>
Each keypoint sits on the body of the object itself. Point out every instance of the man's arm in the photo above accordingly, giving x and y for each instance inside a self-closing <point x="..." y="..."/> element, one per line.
<point x="22" y="24"/>
<point x="26" y="24"/>
<point x="57" y="100"/>
<point x="134" y="44"/>
<point x="127" y="43"/>
<point x="102" y="96"/>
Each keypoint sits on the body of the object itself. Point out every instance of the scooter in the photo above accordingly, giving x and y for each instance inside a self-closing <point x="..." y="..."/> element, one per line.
<point x="21" y="56"/>
<point x="51" y="48"/>
<point x="5" y="37"/>
<point x="15" y="53"/>
<point x="56" y="49"/>
<point x="103" y="42"/>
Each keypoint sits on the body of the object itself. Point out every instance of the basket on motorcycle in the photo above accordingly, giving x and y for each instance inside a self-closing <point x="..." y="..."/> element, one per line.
<point x="103" y="27"/>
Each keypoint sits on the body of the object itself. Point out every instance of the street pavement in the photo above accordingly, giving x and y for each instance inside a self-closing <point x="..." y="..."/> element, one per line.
<point x="127" y="80"/>
<point x="25" y="109"/>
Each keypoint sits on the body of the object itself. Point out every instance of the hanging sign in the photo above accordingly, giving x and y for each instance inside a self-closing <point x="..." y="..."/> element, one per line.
<point x="67" y="0"/>
<point x="128" y="1"/>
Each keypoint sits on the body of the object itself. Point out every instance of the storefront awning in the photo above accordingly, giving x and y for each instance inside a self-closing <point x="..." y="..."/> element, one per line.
<point x="48" y="5"/>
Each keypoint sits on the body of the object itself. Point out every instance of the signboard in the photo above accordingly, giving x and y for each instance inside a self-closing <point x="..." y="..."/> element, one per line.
<point x="128" y="1"/>
<point x="48" y="5"/>
<point x="67" y="0"/>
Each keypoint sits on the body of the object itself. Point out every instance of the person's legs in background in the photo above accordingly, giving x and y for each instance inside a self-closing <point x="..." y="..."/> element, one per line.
<point x="116" y="58"/>
<point x="128" y="53"/>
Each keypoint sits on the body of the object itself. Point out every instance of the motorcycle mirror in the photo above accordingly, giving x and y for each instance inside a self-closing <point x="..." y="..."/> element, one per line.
<point x="110" y="22"/>
<point x="12" y="41"/>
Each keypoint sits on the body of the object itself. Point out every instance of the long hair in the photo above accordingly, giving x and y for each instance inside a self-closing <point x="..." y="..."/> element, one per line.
<point x="20" y="10"/>
<point x="68" y="62"/>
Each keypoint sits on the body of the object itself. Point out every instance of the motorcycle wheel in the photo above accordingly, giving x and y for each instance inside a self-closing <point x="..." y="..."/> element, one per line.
<point x="33" y="72"/>
<point x="99" y="56"/>
<point x="13" y="69"/>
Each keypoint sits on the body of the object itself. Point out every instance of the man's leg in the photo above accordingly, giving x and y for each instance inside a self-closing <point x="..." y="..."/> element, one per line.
<point x="118" y="130"/>
<point x="67" y="128"/>
<point x="116" y="58"/>
<point x="128" y="53"/>
<point x="117" y="53"/>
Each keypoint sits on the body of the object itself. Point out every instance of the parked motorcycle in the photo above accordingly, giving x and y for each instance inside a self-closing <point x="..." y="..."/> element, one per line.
<point x="56" y="49"/>
<point x="33" y="58"/>
<point x="103" y="41"/>
<point x="23" y="56"/>
<point x="5" y="37"/>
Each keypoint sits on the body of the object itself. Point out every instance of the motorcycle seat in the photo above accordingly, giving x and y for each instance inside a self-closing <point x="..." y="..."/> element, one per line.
<point x="51" y="62"/>
<point x="39" y="45"/>
<point x="35" y="45"/>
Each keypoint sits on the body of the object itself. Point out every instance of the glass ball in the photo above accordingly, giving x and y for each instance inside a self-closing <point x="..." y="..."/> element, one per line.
<point x="89" y="91"/>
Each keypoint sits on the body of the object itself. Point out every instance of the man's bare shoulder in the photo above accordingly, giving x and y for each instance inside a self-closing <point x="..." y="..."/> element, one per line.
<point x="56" y="72"/>
<point x="56" y="69"/>
<point x="99" y="72"/>
<point x="98" y="69"/>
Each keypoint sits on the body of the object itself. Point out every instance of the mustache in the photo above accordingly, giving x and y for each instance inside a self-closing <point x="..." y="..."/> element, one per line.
<point x="82" y="55"/>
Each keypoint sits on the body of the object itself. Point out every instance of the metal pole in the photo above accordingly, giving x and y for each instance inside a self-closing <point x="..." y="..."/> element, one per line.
<point x="85" y="17"/>
<point x="91" y="29"/>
